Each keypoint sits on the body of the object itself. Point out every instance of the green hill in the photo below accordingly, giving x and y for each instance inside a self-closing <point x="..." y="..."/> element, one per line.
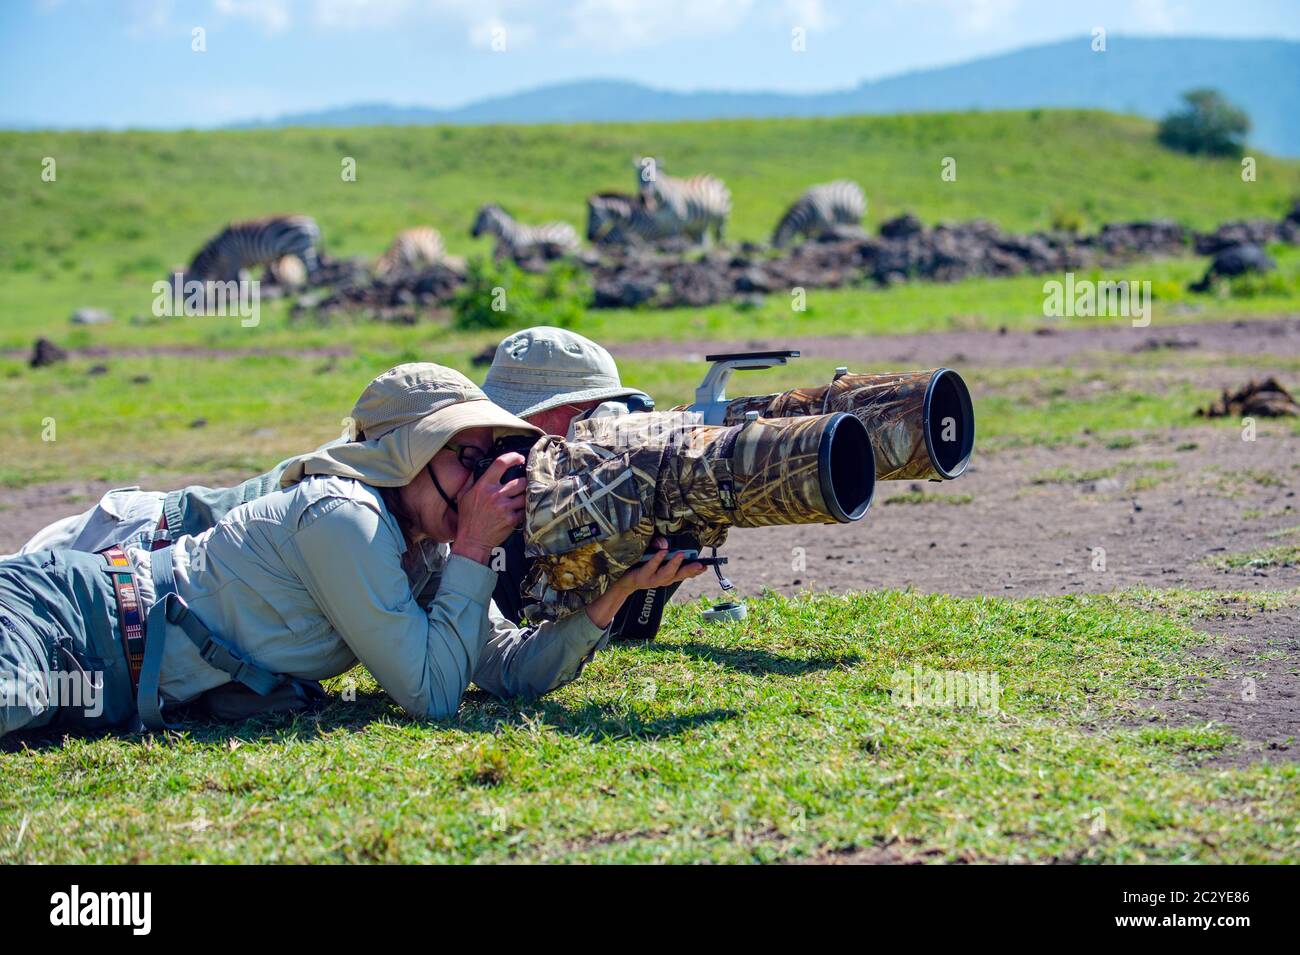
<point x="127" y="206"/>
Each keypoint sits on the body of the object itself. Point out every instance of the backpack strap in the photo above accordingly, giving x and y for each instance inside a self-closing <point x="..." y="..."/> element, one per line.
<point x="169" y="610"/>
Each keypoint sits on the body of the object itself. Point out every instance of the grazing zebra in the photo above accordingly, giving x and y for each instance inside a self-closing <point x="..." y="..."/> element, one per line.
<point x="692" y="206"/>
<point x="826" y="208"/>
<point x="550" y="240"/>
<point x="616" y="218"/>
<point x="412" y="248"/>
<point x="242" y="245"/>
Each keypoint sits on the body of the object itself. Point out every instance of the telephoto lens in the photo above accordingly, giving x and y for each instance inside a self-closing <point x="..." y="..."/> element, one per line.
<point x="597" y="500"/>
<point x="921" y="423"/>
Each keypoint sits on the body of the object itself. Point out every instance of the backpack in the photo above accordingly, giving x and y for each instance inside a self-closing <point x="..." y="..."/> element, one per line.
<point x="234" y="701"/>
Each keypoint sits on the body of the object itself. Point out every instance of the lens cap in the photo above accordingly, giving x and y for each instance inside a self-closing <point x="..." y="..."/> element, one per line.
<point x="729" y="611"/>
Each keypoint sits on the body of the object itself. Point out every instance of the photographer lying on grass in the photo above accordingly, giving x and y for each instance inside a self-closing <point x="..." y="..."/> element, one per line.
<point x="375" y="550"/>
<point x="550" y="377"/>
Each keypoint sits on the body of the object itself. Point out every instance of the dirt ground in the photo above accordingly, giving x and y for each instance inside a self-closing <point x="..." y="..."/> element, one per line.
<point x="1031" y="521"/>
<point x="1014" y="537"/>
<point x="1043" y="347"/>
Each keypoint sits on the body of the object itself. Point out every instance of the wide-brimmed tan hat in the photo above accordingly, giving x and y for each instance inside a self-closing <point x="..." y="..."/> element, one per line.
<point x="544" y="367"/>
<point x="406" y="416"/>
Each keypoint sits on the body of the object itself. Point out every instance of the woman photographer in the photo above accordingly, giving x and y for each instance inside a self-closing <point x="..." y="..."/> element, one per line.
<point x="378" y="550"/>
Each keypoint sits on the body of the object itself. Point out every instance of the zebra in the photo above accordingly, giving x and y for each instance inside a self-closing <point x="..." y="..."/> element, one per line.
<point x="616" y="218"/>
<point x="412" y="248"/>
<point x="822" y="209"/>
<point x="693" y="205"/>
<point x="241" y="245"/>
<point x="550" y="240"/>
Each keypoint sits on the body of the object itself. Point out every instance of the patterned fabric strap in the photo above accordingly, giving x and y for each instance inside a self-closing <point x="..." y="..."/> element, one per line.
<point x="128" y="610"/>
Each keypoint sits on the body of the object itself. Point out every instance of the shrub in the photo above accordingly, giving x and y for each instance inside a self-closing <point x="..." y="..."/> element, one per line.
<point x="1208" y="124"/>
<point x="1262" y="284"/>
<point x="1067" y="220"/>
<point x="500" y="294"/>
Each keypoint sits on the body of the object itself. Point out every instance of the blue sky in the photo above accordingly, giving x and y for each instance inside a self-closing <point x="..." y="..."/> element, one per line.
<point x="122" y="63"/>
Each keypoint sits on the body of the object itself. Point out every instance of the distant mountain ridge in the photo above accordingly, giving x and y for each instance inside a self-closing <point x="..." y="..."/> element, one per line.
<point x="1135" y="75"/>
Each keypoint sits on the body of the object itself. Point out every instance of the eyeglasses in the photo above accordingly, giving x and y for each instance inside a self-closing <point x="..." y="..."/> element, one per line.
<point x="469" y="457"/>
<point x="467" y="454"/>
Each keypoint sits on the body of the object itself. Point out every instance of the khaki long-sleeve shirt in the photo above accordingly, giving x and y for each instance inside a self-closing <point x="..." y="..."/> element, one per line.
<point x="309" y="580"/>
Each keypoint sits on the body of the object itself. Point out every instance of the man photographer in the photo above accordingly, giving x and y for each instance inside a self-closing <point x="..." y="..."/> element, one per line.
<point x="552" y="377"/>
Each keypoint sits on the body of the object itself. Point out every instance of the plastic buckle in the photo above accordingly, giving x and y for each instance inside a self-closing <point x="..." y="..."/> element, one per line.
<point x="210" y="650"/>
<point x="175" y="610"/>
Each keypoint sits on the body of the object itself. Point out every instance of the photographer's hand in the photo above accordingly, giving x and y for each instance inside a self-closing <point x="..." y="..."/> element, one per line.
<point x="656" y="572"/>
<point x="489" y="511"/>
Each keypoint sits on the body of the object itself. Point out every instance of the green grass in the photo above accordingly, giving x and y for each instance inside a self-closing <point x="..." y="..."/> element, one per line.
<point x="128" y="206"/>
<point x="259" y="409"/>
<point x="1285" y="555"/>
<point x="922" y="497"/>
<point x="973" y="304"/>
<point x="1127" y="468"/>
<point x="769" y="740"/>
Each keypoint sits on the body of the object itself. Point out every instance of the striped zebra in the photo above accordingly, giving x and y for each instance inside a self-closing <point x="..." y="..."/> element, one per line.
<point x="242" y="245"/>
<point x="822" y="209"/>
<point x="518" y="241"/>
<point x="616" y="218"/>
<point x="692" y="206"/>
<point x="412" y="248"/>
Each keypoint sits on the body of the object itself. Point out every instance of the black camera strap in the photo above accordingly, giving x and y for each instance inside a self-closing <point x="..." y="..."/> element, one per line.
<point x="450" y="503"/>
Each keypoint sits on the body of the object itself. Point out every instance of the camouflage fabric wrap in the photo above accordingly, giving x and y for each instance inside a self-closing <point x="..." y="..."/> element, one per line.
<point x="894" y="409"/>
<point x="596" y="501"/>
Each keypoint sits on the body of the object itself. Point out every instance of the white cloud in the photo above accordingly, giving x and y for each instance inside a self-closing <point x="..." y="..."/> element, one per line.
<point x="982" y="16"/>
<point x="149" y="16"/>
<point x="271" y="15"/>
<point x="972" y="16"/>
<point x="809" y="14"/>
<point x="361" y="14"/>
<point x="635" y="23"/>
<point x="1154" y="15"/>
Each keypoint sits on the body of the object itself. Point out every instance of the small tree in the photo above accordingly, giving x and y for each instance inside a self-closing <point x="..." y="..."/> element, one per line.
<point x="502" y="295"/>
<point x="1208" y="124"/>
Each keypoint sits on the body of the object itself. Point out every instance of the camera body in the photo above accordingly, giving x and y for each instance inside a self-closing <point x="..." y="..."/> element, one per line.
<point x="518" y="443"/>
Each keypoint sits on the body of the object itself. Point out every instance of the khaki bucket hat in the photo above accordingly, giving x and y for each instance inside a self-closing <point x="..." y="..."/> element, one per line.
<point x="544" y="367"/>
<point x="406" y="415"/>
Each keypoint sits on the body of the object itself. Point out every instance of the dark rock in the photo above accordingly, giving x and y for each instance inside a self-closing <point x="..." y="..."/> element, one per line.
<point x="1236" y="260"/>
<point x="45" y="352"/>
<point x="753" y="280"/>
<point x="1159" y="237"/>
<point x="676" y="273"/>
<point x="623" y="292"/>
<point x="1241" y="232"/>
<point x="1157" y="344"/>
<point x="902" y="227"/>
